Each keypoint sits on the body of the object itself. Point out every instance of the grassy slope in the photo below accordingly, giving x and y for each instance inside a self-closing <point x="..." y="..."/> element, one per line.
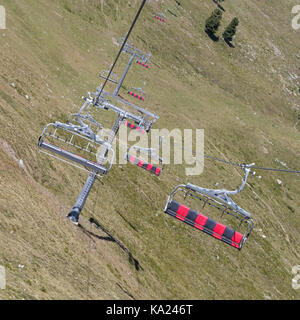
<point x="52" y="51"/>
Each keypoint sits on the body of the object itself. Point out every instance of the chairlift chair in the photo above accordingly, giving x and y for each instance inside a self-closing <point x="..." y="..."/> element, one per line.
<point x="134" y="127"/>
<point x="140" y="95"/>
<point x="161" y="17"/>
<point x="143" y="163"/>
<point x="64" y="141"/>
<point x="141" y="63"/>
<point x="219" y="199"/>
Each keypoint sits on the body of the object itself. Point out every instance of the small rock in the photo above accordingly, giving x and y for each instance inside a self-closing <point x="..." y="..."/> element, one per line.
<point x="27" y="97"/>
<point x="21" y="164"/>
<point x="13" y="85"/>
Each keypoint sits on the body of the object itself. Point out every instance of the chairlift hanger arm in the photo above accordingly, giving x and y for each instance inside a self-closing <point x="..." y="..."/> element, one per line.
<point x="126" y="114"/>
<point x="246" y="169"/>
<point x="143" y="111"/>
<point x="129" y="48"/>
<point x="110" y="80"/>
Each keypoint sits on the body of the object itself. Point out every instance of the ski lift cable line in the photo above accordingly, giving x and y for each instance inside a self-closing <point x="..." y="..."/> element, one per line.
<point x="241" y="165"/>
<point x="252" y="167"/>
<point x="121" y="49"/>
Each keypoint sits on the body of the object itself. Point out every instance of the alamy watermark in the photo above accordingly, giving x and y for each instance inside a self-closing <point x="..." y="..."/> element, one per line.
<point x="172" y="146"/>
<point x="2" y="18"/>
<point x="296" y="19"/>
<point x="2" y="278"/>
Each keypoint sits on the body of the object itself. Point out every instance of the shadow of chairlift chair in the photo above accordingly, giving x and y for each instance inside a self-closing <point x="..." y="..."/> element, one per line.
<point x="219" y="199"/>
<point x="64" y="141"/>
<point x="140" y="162"/>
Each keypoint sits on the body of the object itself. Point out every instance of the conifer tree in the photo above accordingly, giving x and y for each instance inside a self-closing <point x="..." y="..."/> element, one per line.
<point x="230" y="30"/>
<point x="213" y="22"/>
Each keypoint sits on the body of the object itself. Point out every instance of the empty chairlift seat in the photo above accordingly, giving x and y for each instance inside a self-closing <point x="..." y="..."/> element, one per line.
<point x="134" y="127"/>
<point x="143" y="64"/>
<point x="160" y="17"/>
<point x="135" y="95"/>
<point x="221" y="201"/>
<point x="141" y="163"/>
<point x="63" y="141"/>
<point x="140" y="95"/>
<point x="154" y="169"/>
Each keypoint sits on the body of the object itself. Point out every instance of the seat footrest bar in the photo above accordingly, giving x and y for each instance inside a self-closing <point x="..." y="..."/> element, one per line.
<point x="73" y="157"/>
<point x="205" y="224"/>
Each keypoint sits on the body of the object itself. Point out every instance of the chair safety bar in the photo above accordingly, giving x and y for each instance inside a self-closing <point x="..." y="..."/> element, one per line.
<point x="73" y="157"/>
<point x="205" y="224"/>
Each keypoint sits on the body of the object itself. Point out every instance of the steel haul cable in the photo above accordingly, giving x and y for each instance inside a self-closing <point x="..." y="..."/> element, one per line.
<point x="121" y="49"/>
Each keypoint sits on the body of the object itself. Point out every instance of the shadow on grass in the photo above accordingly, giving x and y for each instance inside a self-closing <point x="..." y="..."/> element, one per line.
<point x="111" y="238"/>
<point x="219" y="6"/>
<point x="128" y="222"/>
<point x="125" y="291"/>
<point x="229" y="44"/>
<point x="212" y="36"/>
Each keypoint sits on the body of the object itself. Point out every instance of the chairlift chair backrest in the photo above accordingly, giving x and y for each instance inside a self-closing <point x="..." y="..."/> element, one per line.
<point x="64" y="141"/>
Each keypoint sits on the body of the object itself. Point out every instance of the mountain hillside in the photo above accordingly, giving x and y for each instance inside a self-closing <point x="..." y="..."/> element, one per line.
<point x="245" y="97"/>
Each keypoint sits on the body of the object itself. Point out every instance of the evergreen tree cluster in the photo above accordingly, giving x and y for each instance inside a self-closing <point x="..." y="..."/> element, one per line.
<point x="213" y="23"/>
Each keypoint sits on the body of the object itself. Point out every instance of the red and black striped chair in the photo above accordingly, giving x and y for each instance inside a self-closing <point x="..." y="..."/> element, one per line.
<point x="203" y="223"/>
<point x="160" y="18"/>
<point x="137" y="96"/>
<point x="143" y="64"/>
<point x="142" y="164"/>
<point x="134" y="127"/>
